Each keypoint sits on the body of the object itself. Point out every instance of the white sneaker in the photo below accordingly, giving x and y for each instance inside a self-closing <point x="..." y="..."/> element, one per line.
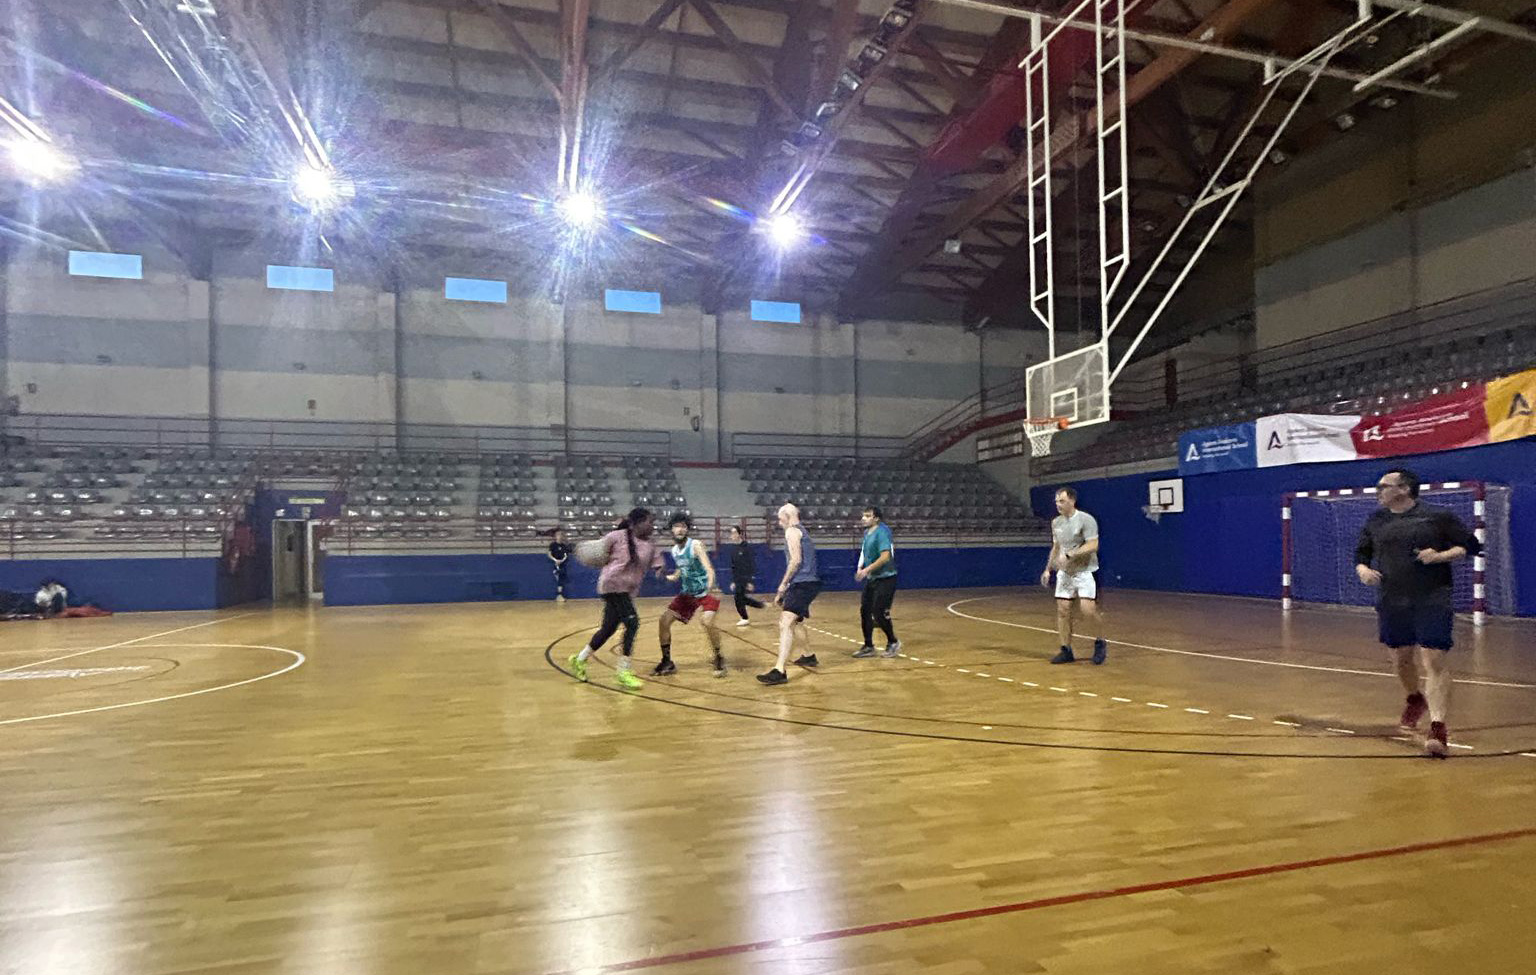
<point x="559" y="599"/>
<point x="743" y="622"/>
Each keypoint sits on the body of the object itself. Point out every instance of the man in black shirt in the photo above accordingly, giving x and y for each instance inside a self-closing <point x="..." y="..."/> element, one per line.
<point x="1412" y="546"/>
<point x="559" y="551"/>
<point x="743" y="568"/>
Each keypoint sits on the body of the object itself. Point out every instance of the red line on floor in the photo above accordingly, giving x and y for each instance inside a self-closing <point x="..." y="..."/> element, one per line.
<point x="1180" y="883"/>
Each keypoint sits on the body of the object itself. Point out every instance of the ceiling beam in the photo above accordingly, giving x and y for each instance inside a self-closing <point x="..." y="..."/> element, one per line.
<point x="1217" y="27"/>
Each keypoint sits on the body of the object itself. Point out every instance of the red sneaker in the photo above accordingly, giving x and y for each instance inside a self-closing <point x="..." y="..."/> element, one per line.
<point x="1435" y="745"/>
<point x="1413" y="711"/>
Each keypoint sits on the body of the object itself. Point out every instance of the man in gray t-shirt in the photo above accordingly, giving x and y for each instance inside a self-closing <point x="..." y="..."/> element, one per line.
<point x="1075" y="559"/>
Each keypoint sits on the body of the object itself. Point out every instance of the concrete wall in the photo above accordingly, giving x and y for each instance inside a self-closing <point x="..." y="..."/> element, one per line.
<point x="1423" y="203"/>
<point x="398" y="352"/>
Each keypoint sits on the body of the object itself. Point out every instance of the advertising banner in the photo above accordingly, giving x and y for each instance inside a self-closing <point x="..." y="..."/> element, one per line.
<point x="1511" y="406"/>
<point x="1458" y="419"/>
<point x="1304" y="438"/>
<point x="1227" y="448"/>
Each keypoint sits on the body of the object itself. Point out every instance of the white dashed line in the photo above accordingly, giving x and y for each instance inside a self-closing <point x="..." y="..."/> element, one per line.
<point x="980" y="674"/>
<point x="1241" y="717"/>
<point x="1288" y="724"/>
<point x="1150" y="704"/>
<point x="1339" y="731"/>
<point x="1123" y="700"/>
<point x="1007" y="680"/>
<point x="1087" y="694"/>
<point x="1196" y="711"/>
<point x="1467" y="748"/>
<point x="1059" y="690"/>
<point x="1030" y="683"/>
<point x="962" y="670"/>
<point x="1528" y="754"/>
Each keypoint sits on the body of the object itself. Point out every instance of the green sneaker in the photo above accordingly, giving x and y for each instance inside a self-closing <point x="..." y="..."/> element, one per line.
<point x="578" y="666"/>
<point x="628" y="680"/>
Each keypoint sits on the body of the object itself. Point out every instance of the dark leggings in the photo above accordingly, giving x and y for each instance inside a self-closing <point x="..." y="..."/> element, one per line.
<point x="743" y="600"/>
<point x="875" y="608"/>
<point x="617" y="608"/>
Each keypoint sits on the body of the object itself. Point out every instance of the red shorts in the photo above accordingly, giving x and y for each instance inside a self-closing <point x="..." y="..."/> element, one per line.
<point x="684" y="606"/>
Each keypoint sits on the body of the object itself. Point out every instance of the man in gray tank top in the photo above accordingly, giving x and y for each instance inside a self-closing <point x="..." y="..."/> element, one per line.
<point x="800" y="587"/>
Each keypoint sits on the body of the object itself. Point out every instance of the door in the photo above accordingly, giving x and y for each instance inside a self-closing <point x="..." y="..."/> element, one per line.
<point x="288" y="560"/>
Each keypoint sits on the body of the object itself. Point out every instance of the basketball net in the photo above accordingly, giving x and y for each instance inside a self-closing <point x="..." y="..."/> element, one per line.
<point x="1041" y="432"/>
<point x="1154" y="512"/>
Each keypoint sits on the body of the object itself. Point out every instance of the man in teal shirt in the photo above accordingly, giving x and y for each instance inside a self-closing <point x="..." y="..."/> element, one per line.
<point x="877" y="570"/>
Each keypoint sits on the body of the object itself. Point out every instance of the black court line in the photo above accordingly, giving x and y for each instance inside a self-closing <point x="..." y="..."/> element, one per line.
<point x="932" y="736"/>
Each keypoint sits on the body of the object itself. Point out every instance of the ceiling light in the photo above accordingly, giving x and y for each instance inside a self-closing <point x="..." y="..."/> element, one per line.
<point x="580" y="209"/>
<point x="318" y="188"/>
<point x="784" y="229"/>
<point x="40" y="161"/>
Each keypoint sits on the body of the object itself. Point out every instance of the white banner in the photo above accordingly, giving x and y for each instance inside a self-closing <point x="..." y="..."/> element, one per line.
<point x="1304" y="438"/>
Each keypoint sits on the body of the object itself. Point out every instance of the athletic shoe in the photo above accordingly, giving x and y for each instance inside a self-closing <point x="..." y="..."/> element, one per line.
<point x="774" y="676"/>
<point x="865" y="651"/>
<point x="719" y="664"/>
<point x="807" y="660"/>
<point x="892" y="649"/>
<point x="1413" y="711"/>
<point x="743" y="622"/>
<point x="664" y="668"/>
<point x="1435" y="744"/>
<point x="578" y="666"/>
<point x="559" y="599"/>
<point x="1100" y="651"/>
<point x="626" y="679"/>
<point x="1064" y="657"/>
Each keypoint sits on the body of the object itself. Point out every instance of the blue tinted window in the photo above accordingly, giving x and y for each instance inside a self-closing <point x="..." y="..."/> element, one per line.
<point x="645" y="302"/>
<point x="98" y="264"/>
<point x="475" y="289"/>
<point x="787" y="312"/>
<point x="300" y="278"/>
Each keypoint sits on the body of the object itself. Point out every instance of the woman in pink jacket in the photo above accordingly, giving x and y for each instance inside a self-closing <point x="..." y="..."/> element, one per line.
<point x="630" y="553"/>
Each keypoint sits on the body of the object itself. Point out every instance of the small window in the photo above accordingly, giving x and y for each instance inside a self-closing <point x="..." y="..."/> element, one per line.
<point x="644" y="302"/>
<point x="787" y="312"/>
<point x="99" y="264"/>
<point x="475" y="289"/>
<point x="300" y="278"/>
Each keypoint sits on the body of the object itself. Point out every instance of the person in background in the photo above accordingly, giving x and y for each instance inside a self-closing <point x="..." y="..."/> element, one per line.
<point x="559" y="552"/>
<point x="877" y="570"/>
<point x="743" y="569"/>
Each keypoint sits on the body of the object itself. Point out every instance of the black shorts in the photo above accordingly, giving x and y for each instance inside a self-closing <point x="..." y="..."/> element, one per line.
<point x="798" y="598"/>
<point x="1416" y="624"/>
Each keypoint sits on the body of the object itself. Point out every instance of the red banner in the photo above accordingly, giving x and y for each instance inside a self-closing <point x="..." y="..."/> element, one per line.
<point x="1457" y="419"/>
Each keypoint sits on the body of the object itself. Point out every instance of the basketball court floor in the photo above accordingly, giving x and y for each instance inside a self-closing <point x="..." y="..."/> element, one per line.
<point x="422" y="789"/>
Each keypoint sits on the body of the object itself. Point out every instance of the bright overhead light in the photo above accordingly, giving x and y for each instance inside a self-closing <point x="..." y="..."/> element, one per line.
<point x="40" y="161"/>
<point x="318" y="187"/>
<point x="580" y="209"/>
<point x="784" y="229"/>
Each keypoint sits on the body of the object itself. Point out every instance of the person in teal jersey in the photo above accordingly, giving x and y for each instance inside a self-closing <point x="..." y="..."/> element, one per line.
<point x="802" y="583"/>
<point x="695" y="576"/>
<point x="877" y="570"/>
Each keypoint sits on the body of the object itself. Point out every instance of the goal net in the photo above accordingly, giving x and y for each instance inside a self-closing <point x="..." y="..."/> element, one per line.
<point x="1322" y="527"/>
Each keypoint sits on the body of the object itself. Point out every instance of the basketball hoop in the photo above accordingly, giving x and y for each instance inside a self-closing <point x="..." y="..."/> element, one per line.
<point x="1041" y="432"/>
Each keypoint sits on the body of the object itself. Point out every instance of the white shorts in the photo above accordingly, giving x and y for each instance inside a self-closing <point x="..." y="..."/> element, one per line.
<point x="1076" y="585"/>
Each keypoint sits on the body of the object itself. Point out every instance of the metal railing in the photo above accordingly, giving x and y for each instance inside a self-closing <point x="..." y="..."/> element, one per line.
<point x="746" y="445"/>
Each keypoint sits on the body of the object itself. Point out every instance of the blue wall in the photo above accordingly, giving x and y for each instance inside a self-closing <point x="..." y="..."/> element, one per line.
<point x="361" y="580"/>
<point x="1228" y="538"/>
<point x="126" y="585"/>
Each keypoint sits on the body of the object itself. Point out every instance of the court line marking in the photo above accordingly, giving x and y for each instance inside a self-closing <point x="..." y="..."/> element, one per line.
<point x="1065" y="690"/>
<point x="549" y="658"/>
<point x="126" y="643"/>
<point x="299" y="660"/>
<point x="1060" y="900"/>
<point x="1221" y="656"/>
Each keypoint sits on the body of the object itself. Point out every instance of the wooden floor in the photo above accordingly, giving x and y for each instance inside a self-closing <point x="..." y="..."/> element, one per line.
<point x="423" y="790"/>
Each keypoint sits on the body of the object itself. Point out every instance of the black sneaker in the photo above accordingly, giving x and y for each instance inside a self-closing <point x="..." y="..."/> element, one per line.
<point x="664" y="668"/>
<point x="1064" y="656"/>
<point x="774" y="676"/>
<point x="865" y="651"/>
<point x="1100" y="651"/>
<point x="807" y="660"/>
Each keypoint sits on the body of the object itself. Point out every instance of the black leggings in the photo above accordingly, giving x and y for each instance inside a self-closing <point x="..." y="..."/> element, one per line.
<point x="875" y="608"/>
<point x="617" y="608"/>
<point x="743" y="600"/>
